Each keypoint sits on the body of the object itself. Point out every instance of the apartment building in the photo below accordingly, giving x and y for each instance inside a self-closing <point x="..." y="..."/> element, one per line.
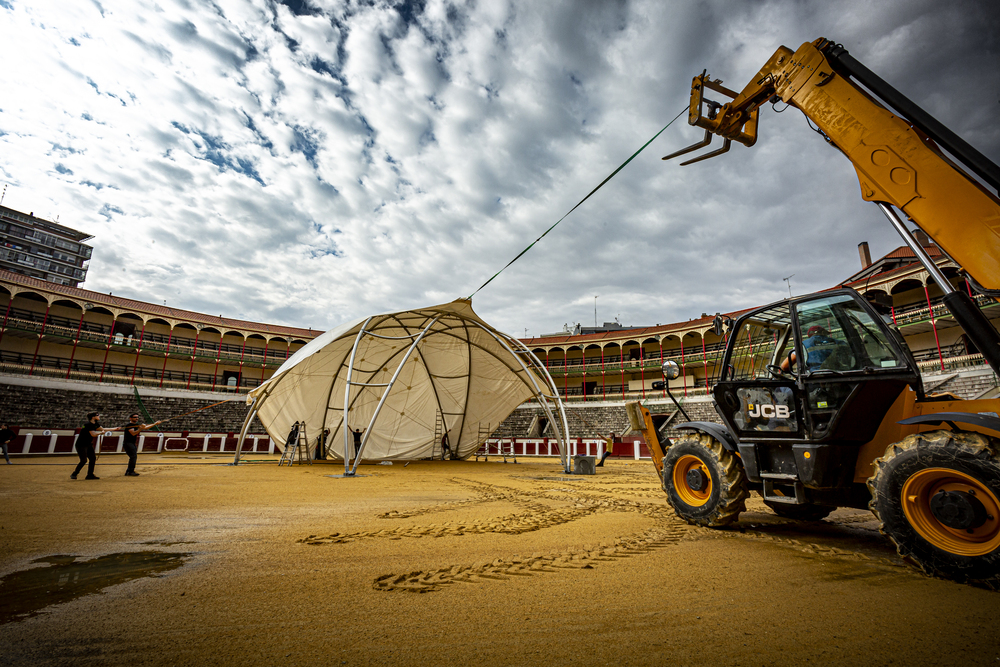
<point x="42" y="249"/>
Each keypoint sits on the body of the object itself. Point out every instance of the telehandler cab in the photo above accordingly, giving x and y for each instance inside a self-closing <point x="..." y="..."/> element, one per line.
<point x="821" y="401"/>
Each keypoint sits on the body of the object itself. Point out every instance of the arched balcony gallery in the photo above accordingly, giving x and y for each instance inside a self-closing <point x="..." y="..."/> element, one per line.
<point x="119" y="341"/>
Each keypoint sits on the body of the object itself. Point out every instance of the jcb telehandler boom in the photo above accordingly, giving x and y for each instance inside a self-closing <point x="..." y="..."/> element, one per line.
<point x="821" y="402"/>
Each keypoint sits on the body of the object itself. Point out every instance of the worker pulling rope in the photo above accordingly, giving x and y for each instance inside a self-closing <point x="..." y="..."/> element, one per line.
<point x="620" y="167"/>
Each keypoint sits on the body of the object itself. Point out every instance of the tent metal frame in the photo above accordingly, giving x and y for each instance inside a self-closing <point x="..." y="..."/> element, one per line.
<point x="350" y="471"/>
<point x="544" y="393"/>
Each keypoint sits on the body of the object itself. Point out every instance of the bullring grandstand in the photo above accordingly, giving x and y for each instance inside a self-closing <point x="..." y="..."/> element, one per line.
<point x="65" y="351"/>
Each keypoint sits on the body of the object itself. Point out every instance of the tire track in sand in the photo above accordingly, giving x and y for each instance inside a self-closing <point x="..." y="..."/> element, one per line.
<point x="534" y="515"/>
<point x="576" y="502"/>
<point x="503" y="569"/>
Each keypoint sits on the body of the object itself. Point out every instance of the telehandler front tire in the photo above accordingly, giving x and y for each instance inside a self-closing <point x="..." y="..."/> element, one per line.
<point x="705" y="483"/>
<point x="937" y="496"/>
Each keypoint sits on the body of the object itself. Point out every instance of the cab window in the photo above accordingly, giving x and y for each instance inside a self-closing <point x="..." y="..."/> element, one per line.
<point x="838" y="334"/>
<point x="759" y="341"/>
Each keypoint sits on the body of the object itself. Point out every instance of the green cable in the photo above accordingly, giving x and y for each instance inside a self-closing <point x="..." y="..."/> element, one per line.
<point x="620" y="167"/>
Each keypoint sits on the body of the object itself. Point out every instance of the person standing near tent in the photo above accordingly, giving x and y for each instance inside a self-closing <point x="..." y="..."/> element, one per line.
<point x="357" y="440"/>
<point x="446" y="453"/>
<point x="293" y="436"/>
<point x="131" y="441"/>
<point x="6" y="437"/>
<point x="85" y="444"/>
<point x="609" y="445"/>
<point x="321" y="445"/>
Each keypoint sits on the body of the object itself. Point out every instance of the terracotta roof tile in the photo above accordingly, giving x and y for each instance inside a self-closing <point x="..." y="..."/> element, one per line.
<point x="904" y="252"/>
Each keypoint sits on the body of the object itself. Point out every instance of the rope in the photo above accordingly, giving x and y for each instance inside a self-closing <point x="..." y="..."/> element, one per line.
<point x="620" y="167"/>
<point x="147" y="418"/>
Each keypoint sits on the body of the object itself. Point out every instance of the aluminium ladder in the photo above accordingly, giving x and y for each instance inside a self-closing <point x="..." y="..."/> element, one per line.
<point x="300" y="448"/>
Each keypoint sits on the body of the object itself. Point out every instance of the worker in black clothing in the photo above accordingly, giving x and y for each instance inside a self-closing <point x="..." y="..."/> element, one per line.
<point x="292" y="440"/>
<point x="85" y="444"/>
<point x="358" y="432"/>
<point x="608" y="447"/>
<point x="6" y="437"/>
<point x="131" y="441"/>
<point x="321" y="445"/>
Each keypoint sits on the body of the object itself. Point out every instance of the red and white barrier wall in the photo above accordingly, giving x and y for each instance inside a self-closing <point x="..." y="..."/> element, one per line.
<point x="35" y="442"/>
<point x="628" y="447"/>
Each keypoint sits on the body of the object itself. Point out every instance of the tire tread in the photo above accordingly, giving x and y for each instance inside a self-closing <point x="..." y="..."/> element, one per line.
<point x="964" y="445"/>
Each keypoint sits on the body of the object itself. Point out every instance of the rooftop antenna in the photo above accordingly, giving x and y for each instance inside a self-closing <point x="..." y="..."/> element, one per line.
<point x="595" y="310"/>
<point x="789" y="284"/>
<point x="4" y="193"/>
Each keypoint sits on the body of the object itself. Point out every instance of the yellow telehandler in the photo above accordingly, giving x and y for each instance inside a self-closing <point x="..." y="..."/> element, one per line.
<point x="820" y="400"/>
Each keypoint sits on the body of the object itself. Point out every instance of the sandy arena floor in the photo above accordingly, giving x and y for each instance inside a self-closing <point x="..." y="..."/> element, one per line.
<point x="453" y="563"/>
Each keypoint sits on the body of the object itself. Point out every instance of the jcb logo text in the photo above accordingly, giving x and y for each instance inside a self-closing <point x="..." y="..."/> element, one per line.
<point x="768" y="411"/>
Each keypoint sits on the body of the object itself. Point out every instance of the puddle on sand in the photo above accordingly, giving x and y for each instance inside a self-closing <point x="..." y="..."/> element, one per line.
<point x="26" y="593"/>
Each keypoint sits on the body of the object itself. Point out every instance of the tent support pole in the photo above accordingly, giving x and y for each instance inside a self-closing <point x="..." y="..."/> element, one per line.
<point x="326" y="411"/>
<point x="468" y="387"/>
<point x="243" y="435"/>
<point x="347" y="400"/>
<point x="369" y="332"/>
<point x="563" y="453"/>
<point x="562" y="409"/>
<point x="430" y="378"/>
<point x="246" y="425"/>
<point x="385" y="393"/>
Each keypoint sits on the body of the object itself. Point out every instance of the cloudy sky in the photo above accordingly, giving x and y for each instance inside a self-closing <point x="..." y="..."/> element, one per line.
<point x="306" y="162"/>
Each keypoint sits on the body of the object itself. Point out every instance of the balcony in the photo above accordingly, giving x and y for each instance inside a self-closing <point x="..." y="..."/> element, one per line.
<point x="56" y="367"/>
<point x="29" y="323"/>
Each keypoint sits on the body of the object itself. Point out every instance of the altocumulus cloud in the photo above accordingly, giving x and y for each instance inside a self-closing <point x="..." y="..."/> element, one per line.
<point x="308" y="162"/>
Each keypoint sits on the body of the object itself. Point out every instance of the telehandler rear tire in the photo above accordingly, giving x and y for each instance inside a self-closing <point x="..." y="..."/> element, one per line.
<point x="806" y="512"/>
<point x="705" y="484"/>
<point x="937" y="497"/>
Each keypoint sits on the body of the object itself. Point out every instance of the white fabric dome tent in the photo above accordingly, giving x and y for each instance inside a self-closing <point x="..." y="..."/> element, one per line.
<point x="407" y="378"/>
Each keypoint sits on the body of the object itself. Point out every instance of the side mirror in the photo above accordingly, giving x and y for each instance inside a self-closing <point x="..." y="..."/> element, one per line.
<point x="659" y="385"/>
<point x="671" y="370"/>
<point x="721" y="324"/>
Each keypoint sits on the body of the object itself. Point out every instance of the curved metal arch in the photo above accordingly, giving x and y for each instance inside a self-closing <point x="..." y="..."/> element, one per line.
<point x="347" y="408"/>
<point x="385" y="394"/>
<point x="347" y="396"/>
<point x="468" y="383"/>
<point x="341" y="366"/>
<point x="333" y="382"/>
<point x="433" y="379"/>
<point x="555" y="393"/>
<point x="430" y="376"/>
<point x="448" y="330"/>
<point x="563" y="435"/>
<point x="502" y="360"/>
<point x="246" y="425"/>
